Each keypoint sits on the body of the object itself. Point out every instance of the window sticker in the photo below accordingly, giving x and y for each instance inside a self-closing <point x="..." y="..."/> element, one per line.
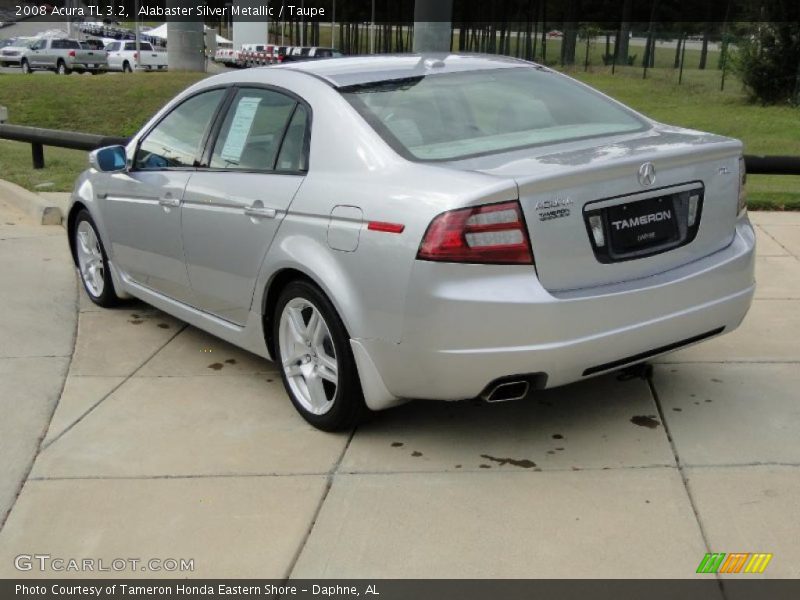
<point x="239" y="130"/>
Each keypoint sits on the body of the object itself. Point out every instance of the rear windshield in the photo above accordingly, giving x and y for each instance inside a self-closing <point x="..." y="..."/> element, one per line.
<point x="458" y="115"/>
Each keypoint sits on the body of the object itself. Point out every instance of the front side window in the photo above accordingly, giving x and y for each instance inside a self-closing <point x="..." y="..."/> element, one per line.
<point x="175" y="141"/>
<point x="113" y="47"/>
<point x="457" y="115"/>
<point x="251" y="134"/>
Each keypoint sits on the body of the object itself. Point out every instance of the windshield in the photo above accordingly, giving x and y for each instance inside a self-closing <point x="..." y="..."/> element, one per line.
<point x="457" y="115"/>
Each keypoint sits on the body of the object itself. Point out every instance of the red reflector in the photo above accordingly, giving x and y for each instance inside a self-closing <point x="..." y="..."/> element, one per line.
<point x="491" y="233"/>
<point x="385" y="227"/>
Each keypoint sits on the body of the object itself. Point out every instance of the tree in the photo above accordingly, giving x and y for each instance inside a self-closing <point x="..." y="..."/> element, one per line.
<point x="768" y="62"/>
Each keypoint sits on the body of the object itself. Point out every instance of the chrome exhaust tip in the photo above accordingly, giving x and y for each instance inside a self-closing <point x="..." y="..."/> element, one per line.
<point x="508" y="391"/>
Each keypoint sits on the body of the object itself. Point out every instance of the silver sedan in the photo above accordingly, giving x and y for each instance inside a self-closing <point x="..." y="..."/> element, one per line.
<point x="420" y="227"/>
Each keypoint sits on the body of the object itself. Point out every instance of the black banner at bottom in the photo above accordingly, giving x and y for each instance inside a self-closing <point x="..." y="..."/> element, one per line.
<point x="396" y="589"/>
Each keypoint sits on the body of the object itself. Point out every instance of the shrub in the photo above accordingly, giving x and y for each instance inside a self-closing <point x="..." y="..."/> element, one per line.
<point x="768" y="63"/>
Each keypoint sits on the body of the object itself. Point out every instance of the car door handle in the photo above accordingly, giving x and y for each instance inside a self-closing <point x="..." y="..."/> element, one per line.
<point x="170" y="202"/>
<point x="260" y="212"/>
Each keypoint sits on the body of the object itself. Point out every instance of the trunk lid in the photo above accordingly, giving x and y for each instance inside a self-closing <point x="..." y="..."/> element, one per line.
<point x="645" y="226"/>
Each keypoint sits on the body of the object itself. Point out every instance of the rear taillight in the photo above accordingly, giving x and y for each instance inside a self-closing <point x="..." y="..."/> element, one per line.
<point x="492" y="233"/>
<point x="742" y="204"/>
<point x="72" y="53"/>
<point x="135" y="56"/>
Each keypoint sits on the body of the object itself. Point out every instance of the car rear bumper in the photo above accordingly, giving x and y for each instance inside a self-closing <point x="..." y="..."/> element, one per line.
<point x="467" y="326"/>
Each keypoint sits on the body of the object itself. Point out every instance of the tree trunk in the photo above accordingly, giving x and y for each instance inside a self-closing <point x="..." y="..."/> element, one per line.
<point x="704" y="49"/>
<point x="623" y="43"/>
<point x="677" y="61"/>
<point x="569" y="43"/>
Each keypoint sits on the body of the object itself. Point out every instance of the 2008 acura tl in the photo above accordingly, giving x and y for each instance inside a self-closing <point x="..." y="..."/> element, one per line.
<point x="399" y="227"/>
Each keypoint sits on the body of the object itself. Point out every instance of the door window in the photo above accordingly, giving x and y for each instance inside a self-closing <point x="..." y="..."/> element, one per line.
<point x="251" y="134"/>
<point x="175" y="141"/>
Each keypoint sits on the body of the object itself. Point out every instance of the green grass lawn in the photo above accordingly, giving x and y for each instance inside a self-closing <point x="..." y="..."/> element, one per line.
<point x="116" y="104"/>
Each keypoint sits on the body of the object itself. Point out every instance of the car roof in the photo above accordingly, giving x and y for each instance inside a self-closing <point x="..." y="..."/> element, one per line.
<point x="358" y="70"/>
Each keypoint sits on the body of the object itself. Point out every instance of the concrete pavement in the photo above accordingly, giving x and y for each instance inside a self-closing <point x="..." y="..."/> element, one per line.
<point x="38" y="296"/>
<point x="168" y="443"/>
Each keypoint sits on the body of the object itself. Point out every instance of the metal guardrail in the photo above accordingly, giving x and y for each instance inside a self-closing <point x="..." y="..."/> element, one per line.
<point x="772" y="165"/>
<point x="38" y="137"/>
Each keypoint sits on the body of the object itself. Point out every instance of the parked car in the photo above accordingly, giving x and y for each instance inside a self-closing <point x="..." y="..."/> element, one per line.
<point x="123" y="56"/>
<point x="11" y="53"/>
<point x="63" y="56"/>
<point x="443" y="228"/>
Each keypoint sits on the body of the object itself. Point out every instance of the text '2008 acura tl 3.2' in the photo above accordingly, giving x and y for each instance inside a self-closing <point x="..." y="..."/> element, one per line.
<point x="420" y="227"/>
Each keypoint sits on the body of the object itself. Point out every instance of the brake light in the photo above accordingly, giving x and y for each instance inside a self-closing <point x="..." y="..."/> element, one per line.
<point x="135" y="56"/>
<point x="491" y="233"/>
<point x="72" y="53"/>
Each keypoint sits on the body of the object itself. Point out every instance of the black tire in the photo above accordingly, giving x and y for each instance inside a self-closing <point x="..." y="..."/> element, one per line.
<point x="108" y="298"/>
<point x="26" y="68"/>
<point x="126" y="67"/>
<point x="348" y="407"/>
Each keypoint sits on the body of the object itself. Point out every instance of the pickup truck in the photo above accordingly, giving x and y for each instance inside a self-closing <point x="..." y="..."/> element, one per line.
<point x="122" y="56"/>
<point x="63" y="56"/>
<point x="299" y="53"/>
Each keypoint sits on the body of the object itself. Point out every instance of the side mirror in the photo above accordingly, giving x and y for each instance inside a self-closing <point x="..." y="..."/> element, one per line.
<point x="111" y="159"/>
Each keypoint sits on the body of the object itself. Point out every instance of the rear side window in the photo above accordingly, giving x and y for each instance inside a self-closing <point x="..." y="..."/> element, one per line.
<point x="175" y="141"/>
<point x="130" y="46"/>
<point x="251" y="134"/>
<point x="294" y="150"/>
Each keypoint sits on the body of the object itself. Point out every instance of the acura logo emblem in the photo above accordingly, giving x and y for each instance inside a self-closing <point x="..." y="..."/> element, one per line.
<point x="647" y="174"/>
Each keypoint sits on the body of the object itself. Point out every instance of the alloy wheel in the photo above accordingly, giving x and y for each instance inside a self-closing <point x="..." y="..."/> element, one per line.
<point x="90" y="258"/>
<point x="308" y="356"/>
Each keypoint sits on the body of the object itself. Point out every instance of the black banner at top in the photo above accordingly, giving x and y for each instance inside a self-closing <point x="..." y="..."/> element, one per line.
<point x="558" y="13"/>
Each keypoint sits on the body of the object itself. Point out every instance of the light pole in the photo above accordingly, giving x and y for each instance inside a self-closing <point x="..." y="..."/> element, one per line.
<point x="372" y="31"/>
<point x="136" y="29"/>
<point x="333" y="26"/>
<point x="432" y="23"/>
